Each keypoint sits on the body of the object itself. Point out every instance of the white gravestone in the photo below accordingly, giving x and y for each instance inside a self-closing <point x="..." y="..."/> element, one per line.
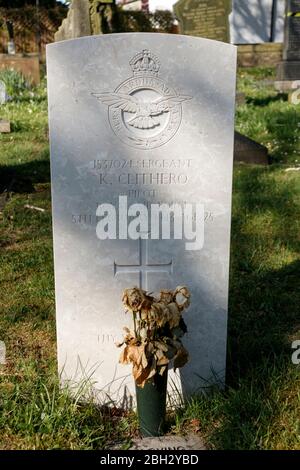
<point x="3" y="96"/>
<point x="140" y="119"/>
<point x="4" y="124"/>
<point x="2" y="353"/>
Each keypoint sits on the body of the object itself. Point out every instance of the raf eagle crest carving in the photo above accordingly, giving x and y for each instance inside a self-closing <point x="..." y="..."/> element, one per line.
<point x="144" y="111"/>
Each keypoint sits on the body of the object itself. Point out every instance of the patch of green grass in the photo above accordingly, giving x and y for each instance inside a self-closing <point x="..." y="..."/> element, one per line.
<point x="37" y="414"/>
<point x="261" y="412"/>
<point x="260" y="407"/>
<point x="267" y="117"/>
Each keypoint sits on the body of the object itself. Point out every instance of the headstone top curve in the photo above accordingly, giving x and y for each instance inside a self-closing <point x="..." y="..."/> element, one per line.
<point x="106" y="37"/>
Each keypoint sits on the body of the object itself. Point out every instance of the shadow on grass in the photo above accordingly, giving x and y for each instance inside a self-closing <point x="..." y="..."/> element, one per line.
<point x="263" y="306"/>
<point x="283" y="129"/>
<point x="265" y="101"/>
<point x="264" y="302"/>
<point x="20" y="178"/>
<point x="264" y="312"/>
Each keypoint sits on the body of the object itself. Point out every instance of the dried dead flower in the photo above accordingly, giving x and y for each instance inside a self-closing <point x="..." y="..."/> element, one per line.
<point x="166" y="296"/>
<point x="182" y="297"/>
<point x="174" y="315"/>
<point x="158" y="328"/>
<point x="135" y="299"/>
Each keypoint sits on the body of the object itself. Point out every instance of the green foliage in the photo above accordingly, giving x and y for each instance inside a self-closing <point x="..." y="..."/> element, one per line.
<point x="16" y="84"/>
<point x="267" y="117"/>
<point x="45" y="417"/>
<point x="163" y="20"/>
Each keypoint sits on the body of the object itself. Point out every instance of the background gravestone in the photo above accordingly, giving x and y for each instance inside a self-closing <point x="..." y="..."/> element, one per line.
<point x="249" y="151"/>
<point x="4" y="124"/>
<point x="3" y="96"/>
<point x="289" y="68"/>
<point x="96" y="156"/>
<point x="204" y="18"/>
<point x="77" y="22"/>
<point x="86" y="17"/>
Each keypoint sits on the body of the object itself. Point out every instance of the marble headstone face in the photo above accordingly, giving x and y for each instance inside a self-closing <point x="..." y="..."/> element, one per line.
<point x="204" y="18"/>
<point x="147" y="119"/>
<point x="3" y="96"/>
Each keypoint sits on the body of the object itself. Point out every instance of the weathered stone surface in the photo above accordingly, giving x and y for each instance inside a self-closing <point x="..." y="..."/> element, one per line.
<point x="289" y="68"/>
<point x="259" y="55"/>
<point x="101" y="16"/>
<point x="248" y="151"/>
<point x="284" y="86"/>
<point x="203" y="18"/>
<point x="292" y="31"/>
<point x="77" y="22"/>
<point x="100" y="152"/>
<point x="4" y="127"/>
<point x="86" y="17"/>
<point x="3" y="95"/>
<point x="190" y="442"/>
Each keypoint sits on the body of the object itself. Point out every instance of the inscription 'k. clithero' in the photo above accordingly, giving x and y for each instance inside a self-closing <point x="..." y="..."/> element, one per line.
<point x="156" y="108"/>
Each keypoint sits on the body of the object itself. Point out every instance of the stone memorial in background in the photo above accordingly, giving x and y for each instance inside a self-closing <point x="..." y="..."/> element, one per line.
<point x="289" y="68"/>
<point x="77" y="23"/>
<point x="3" y="94"/>
<point x="87" y="17"/>
<point x="11" y="48"/>
<point x="249" y="151"/>
<point x="140" y="124"/>
<point x="204" y="18"/>
<point x="4" y="124"/>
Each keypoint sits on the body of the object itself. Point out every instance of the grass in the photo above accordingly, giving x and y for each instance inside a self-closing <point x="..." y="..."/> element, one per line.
<point x="267" y="117"/>
<point x="260" y="407"/>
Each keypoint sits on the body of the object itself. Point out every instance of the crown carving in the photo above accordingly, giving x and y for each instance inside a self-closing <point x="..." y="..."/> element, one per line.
<point x="145" y="63"/>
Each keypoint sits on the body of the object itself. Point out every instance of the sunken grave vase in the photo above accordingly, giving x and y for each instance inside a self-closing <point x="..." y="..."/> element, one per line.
<point x="151" y="405"/>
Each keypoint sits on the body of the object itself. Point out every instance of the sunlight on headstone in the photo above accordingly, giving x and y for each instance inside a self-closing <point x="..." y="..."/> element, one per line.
<point x="140" y="122"/>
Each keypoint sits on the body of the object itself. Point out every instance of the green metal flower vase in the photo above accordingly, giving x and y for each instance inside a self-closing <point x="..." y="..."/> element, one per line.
<point x="151" y="405"/>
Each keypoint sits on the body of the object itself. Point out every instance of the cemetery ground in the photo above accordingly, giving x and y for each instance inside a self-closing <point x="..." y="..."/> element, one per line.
<point x="260" y="408"/>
